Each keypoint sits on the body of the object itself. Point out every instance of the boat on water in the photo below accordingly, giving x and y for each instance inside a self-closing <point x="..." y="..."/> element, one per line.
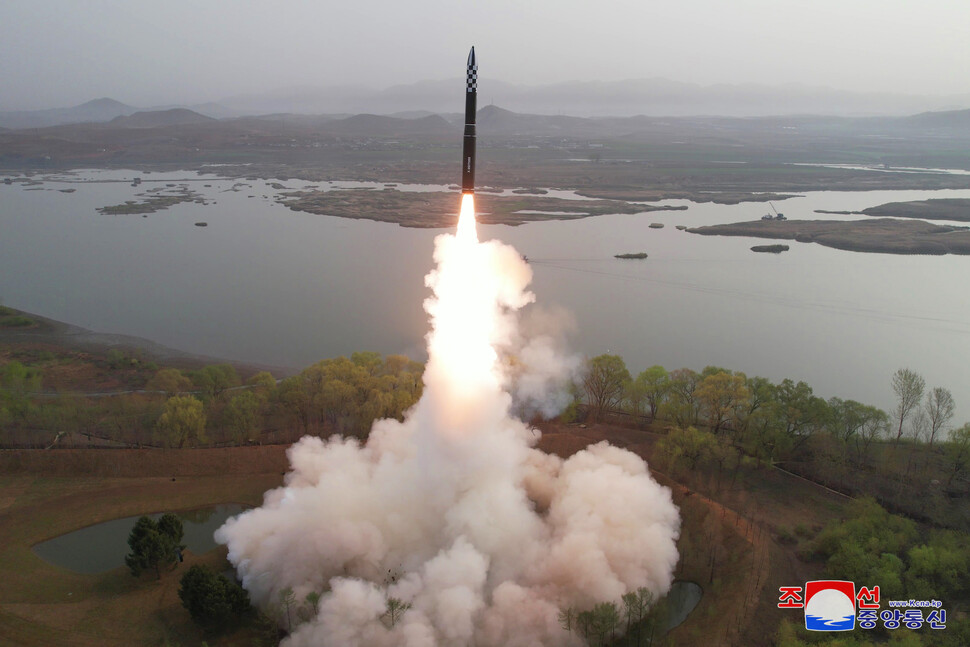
<point x="777" y="216"/>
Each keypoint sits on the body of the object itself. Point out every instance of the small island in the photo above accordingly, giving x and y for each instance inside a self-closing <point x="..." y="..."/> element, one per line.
<point x="638" y="255"/>
<point x="153" y="202"/>
<point x="656" y="225"/>
<point x="653" y="195"/>
<point x="957" y="209"/>
<point x="770" y="249"/>
<point x="440" y="209"/>
<point x="884" y="235"/>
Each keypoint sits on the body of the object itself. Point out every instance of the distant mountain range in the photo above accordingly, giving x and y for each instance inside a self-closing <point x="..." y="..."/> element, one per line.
<point x="653" y="97"/>
<point x="156" y="118"/>
<point x="492" y="121"/>
<point x="100" y="111"/>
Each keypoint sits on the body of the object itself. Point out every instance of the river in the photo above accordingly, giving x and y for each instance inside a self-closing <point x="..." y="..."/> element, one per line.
<point x="268" y="285"/>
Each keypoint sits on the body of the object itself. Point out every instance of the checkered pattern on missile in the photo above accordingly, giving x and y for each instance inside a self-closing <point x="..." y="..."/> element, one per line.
<point x="472" y="84"/>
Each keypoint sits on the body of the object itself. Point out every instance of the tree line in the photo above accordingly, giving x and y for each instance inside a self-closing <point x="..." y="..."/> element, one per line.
<point x="724" y="420"/>
<point x="213" y="406"/>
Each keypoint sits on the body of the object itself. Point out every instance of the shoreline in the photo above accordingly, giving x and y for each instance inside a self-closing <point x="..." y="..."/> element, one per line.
<point x="882" y="235"/>
<point x="70" y="336"/>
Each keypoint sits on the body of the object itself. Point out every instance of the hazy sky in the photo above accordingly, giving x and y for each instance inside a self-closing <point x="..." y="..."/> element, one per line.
<point x="57" y="53"/>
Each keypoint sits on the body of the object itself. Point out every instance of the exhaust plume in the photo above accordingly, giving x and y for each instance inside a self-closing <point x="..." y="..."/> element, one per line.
<point x="450" y="528"/>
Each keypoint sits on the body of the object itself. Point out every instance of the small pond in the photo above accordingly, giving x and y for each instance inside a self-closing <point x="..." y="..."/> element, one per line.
<point x="681" y="600"/>
<point x="102" y="547"/>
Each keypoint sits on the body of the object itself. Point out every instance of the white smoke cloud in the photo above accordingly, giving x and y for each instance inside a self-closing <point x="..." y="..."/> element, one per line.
<point x="542" y="370"/>
<point x="453" y="511"/>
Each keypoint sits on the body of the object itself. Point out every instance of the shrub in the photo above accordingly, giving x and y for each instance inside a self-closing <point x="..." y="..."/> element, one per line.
<point x="213" y="601"/>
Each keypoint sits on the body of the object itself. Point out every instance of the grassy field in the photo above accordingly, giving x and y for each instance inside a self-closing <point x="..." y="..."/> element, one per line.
<point x="730" y="550"/>
<point x="41" y="604"/>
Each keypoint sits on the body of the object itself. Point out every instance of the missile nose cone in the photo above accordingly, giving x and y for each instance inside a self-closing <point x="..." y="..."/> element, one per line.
<point x="471" y="57"/>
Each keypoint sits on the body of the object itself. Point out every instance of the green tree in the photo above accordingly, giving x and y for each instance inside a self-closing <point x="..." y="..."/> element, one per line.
<point x="347" y="395"/>
<point x="212" y="380"/>
<point x="16" y="383"/>
<point x="656" y="383"/>
<point x="586" y="621"/>
<point x="943" y="564"/>
<point x="287" y="602"/>
<point x="857" y="547"/>
<point x="368" y="360"/>
<point x="636" y="605"/>
<point x="170" y="525"/>
<point x="753" y="411"/>
<point x="263" y="386"/>
<point x="957" y="450"/>
<point x="604" y="382"/>
<point x="684" y="447"/>
<point x="606" y="617"/>
<point x="683" y="405"/>
<point x="308" y="610"/>
<point x="634" y="397"/>
<point x="908" y="387"/>
<point x="242" y="416"/>
<point x="116" y="358"/>
<point x="720" y="395"/>
<point x="183" y="420"/>
<point x="801" y="412"/>
<point x="875" y="423"/>
<point x="213" y="601"/>
<point x="151" y="547"/>
<point x="169" y="380"/>
<point x="295" y="400"/>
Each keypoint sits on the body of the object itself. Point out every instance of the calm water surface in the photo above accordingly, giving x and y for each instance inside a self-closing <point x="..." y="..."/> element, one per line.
<point x="681" y="600"/>
<point x="265" y="284"/>
<point x="102" y="547"/>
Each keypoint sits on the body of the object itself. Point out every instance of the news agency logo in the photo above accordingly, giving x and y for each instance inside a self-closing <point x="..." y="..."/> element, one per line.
<point x="836" y="605"/>
<point x="830" y="605"/>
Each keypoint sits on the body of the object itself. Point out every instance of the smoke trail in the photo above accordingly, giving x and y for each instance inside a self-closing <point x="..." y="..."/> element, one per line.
<point x="453" y="513"/>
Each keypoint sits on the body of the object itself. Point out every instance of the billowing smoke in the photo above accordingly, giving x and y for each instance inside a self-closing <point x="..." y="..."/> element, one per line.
<point x="450" y="528"/>
<point x="541" y="370"/>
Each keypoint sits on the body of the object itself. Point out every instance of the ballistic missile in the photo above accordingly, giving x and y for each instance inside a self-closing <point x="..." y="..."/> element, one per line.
<point x="468" y="144"/>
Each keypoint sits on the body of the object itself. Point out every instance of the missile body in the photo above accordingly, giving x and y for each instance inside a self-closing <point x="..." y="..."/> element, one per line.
<point x="468" y="142"/>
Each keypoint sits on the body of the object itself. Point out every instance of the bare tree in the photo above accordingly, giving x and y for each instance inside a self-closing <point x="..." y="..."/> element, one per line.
<point x="605" y="380"/>
<point x="908" y="386"/>
<point x="919" y="425"/>
<point x="875" y="422"/>
<point x="939" y="410"/>
<point x="395" y="609"/>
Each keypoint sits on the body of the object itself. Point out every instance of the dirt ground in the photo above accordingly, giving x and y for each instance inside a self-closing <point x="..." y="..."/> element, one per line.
<point x="736" y="528"/>
<point x="728" y="541"/>
<point x="41" y="604"/>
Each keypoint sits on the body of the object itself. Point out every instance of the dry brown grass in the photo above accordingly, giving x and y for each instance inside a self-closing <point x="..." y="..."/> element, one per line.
<point x="134" y="463"/>
<point x="41" y="604"/>
<point x="727" y="541"/>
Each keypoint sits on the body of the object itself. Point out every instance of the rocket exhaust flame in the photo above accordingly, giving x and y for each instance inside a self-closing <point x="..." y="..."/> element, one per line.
<point x="466" y="219"/>
<point x="452" y="511"/>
